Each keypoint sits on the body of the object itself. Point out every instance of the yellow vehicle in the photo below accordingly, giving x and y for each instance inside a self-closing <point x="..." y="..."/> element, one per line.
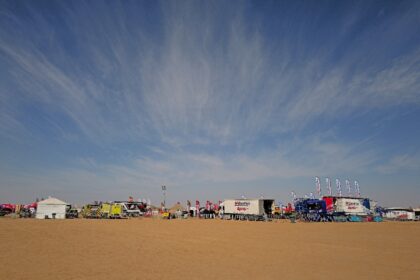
<point x="276" y="211"/>
<point x="91" y="211"/>
<point x="165" y="215"/>
<point x="111" y="211"/>
<point x="116" y="211"/>
<point x="105" y="210"/>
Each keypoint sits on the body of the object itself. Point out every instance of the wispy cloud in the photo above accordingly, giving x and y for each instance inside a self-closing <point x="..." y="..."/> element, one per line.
<point x="202" y="82"/>
<point x="202" y="92"/>
<point x="398" y="163"/>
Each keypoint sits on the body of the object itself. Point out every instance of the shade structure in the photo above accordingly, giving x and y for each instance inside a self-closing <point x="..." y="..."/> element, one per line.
<point x="51" y="208"/>
<point x="177" y="207"/>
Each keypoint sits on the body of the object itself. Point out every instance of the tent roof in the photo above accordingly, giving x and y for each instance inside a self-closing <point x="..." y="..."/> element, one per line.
<point x="398" y="209"/>
<point x="177" y="207"/>
<point x="52" y="201"/>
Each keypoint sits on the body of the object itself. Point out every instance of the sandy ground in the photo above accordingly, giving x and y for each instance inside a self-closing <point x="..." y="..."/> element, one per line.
<point x="207" y="249"/>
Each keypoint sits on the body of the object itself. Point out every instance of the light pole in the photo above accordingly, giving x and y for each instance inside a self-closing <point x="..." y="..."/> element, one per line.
<point x="164" y="195"/>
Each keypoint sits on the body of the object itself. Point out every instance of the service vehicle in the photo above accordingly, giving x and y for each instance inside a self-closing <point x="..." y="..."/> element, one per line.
<point x="247" y="209"/>
<point x="399" y="214"/>
<point x="132" y="208"/>
<point x="72" y="213"/>
<point x="91" y="211"/>
<point x="347" y="206"/>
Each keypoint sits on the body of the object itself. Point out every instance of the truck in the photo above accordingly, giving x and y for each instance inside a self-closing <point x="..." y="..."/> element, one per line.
<point x="132" y="208"/>
<point x="247" y="209"/>
<point x="399" y="214"/>
<point x="347" y="206"/>
<point x="416" y="214"/>
<point x="72" y="213"/>
<point x="7" y="208"/>
<point x="111" y="211"/>
<point x="91" y="211"/>
<point x="350" y="206"/>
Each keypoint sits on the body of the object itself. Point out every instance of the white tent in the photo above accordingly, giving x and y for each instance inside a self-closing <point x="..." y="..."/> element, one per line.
<point x="51" y="208"/>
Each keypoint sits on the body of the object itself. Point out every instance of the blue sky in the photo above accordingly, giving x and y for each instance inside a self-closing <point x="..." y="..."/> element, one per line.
<point x="214" y="99"/>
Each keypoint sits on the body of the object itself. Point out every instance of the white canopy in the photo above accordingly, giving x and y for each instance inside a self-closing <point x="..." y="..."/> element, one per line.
<point x="52" y="201"/>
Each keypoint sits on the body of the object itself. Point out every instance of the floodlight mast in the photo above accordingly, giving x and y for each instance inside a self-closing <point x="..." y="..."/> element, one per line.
<point x="164" y="196"/>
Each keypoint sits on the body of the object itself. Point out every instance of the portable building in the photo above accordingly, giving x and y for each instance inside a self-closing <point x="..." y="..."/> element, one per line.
<point x="51" y="208"/>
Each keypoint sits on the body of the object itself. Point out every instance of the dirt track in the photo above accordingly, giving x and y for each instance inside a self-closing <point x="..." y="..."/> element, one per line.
<point x="206" y="249"/>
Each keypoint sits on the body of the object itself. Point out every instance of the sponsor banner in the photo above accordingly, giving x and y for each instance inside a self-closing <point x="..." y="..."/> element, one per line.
<point x="246" y="207"/>
<point x="349" y="205"/>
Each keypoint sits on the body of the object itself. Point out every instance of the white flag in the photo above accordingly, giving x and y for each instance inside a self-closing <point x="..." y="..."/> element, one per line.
<point x="357" y="188"/>
<point x="328" y="181"/>
<point x="348" y="187"/>
<point x="338" y="185"/>
<point x="318" y="186"/>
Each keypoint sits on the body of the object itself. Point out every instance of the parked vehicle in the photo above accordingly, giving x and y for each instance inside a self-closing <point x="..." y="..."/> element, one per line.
<point x="112" y="211"/>
<point x="6" y="209"/>
<point x="72" y="213"/>
<point x="342" y="208"/>
<point x="247" y="209"/>
<point x="28" y="210"/>
<point x="91" y="211"/>
<point x="132" y="208"/>
<point x="399" y="214"/>
<point x="417" y="214"/>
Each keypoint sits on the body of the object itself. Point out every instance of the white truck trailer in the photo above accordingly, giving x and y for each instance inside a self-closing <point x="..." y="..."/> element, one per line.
<point x="247" y="209"/>
<point x="350" y="206"/>
<point x="399" y="214"/>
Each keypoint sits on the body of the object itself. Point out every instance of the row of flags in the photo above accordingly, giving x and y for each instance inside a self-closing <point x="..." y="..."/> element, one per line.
<point x="338" y="186"/>
<point x="329" y="188"/>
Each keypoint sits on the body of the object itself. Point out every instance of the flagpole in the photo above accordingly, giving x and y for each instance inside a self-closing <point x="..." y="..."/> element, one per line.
<point x="164" y="196"/>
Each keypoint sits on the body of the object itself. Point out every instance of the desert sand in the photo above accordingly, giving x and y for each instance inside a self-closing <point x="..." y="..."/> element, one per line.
<point x="207" y="249"/>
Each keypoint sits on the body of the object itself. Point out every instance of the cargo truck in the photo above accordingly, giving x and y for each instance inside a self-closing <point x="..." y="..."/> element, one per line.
<point x="399" y="214"/>
<point x="347" y="205"/>
<point x="91" y="211"/>
<point x="247" y="209"/>
<point x="131" y="208"/>
<point x="112" y="211"/>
